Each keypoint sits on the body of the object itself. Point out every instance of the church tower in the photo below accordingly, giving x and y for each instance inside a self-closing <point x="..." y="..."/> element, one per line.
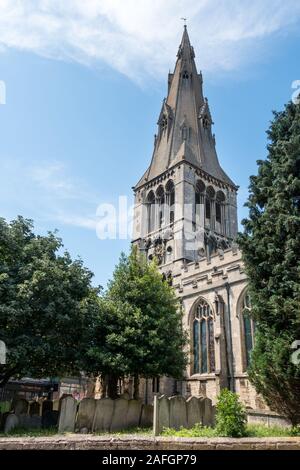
<point x="185" y="204"/>
<point x="186" y="216"/>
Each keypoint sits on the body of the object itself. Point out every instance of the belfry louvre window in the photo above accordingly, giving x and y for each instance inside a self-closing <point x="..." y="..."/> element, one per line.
<point x="203" y="339"/>
<point x="151" y="211"/>
<point x="218" y="212"/>
<point x="207" y="208"/>
<point x="170" y="201"/>
<point x="160" y="198"/>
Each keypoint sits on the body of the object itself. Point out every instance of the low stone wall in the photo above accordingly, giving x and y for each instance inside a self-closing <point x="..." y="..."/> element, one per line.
<point x="176" y="412"/>
<point x="268" y="418"/>
<point x="88" y="442"/>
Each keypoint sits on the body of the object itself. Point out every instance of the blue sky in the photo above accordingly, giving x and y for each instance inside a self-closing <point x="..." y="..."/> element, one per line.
<point x="84" y="85"/>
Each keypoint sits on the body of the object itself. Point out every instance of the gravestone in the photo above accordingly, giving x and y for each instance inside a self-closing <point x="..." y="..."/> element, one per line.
<point x="178" y="414"/>
<point x="134" y="413"/>
<point x="56" y="405"/>
<point x="206" y="408"/>
<point x="34" y="408"/>
<point x="193" y="412"/>
<point x="64" y="395"/>
<point x="3" y="419"/>
<point x="119" y="419"/>
<point x="85" y="415"/>
<point x="47" y="405"/>
<point x="20" y="406"/>
<point x="67" y="415"/>
<point x="163" y="413"/>
<point x="3" y="352"/>
<point x="30" y="422"/>
<point x="50" y="419"/>
<point x="11" y="422"/>
<point x="103" y="414"/>
<point x="146" y="416"/>
<point x="213" y="413"/>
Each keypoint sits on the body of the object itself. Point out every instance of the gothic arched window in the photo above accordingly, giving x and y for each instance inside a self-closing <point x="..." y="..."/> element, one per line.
<point x="170" y="201"/>
<point x="209" y="203"/>
<point x="160" y="197"/>
<point x="203" y="339"/>
<point x="199" y="201"/>
<point x="247" y="329"/>
<point x="220" y="210"/>
<point x="151" y="211"/>
<point x="185" y="75"/>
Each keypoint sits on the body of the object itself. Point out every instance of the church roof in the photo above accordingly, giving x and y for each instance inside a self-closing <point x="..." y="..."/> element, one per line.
<point x="184" y="124"/>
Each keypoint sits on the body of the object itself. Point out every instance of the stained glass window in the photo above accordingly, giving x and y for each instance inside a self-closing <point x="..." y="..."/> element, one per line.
<point x="203" y="339"/>
<point x="196" y="346"/>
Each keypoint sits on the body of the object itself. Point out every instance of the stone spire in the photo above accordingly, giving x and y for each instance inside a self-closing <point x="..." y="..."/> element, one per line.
<point x="184" y="124"/>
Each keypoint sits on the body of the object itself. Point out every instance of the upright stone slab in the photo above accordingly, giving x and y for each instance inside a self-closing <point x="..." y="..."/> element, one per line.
<point x="85" y="415"/>
<point x="30" y="422"/>
<point x="213" y="412"/>
<point x="21" y="406"/>
<point x="50" y="419"/>
<point x="133" y="413"/>
<point x="178" y="413"/>
<point x="34" y="408"/>
<point x="163" y="413"/>
<point x="11" y="422"/>
<point x="67" y="415"/>
<point x="207" y="418"/>
<point x="146" y="420"/>
<point x="119" y="419"/>
<point x="103" y="415"/>
<point x="47" y="405"/>
<point x="56" y="405"/>
<point x="193" y="412"/>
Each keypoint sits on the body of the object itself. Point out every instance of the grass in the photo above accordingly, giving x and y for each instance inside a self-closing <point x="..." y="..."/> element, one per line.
<point x="259" y="430"/>
<point x="130" y="431"/>
<point x="252" y="430"/>
<point x="23" y="432"/>
<point x="196" y="431"/>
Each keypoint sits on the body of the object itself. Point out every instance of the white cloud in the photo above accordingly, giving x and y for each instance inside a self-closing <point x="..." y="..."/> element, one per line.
<point x="51" y="177"/>
<point x="140" y="37"/>
<point x="45" y="191"/>
<point x="88" y="222"/>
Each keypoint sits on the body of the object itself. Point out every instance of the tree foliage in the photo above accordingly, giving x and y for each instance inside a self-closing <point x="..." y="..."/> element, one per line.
<point x="271" y="248"/>
<point x="231" y="416"/>
<point x="46" y="301"/>
<point x="138" y="331"/>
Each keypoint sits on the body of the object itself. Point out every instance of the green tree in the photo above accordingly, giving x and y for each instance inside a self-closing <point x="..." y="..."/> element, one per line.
<point x="231" y="415"/>
<point x="139" y="327"/>
<point x="46" y="302"/>
<point x="271" y="249"/>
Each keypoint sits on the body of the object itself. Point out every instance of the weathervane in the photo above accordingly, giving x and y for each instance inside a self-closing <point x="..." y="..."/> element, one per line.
<point x="184" y="20"/>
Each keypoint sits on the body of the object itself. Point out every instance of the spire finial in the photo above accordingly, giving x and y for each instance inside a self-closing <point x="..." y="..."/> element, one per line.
<point x="184" y="21"/>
